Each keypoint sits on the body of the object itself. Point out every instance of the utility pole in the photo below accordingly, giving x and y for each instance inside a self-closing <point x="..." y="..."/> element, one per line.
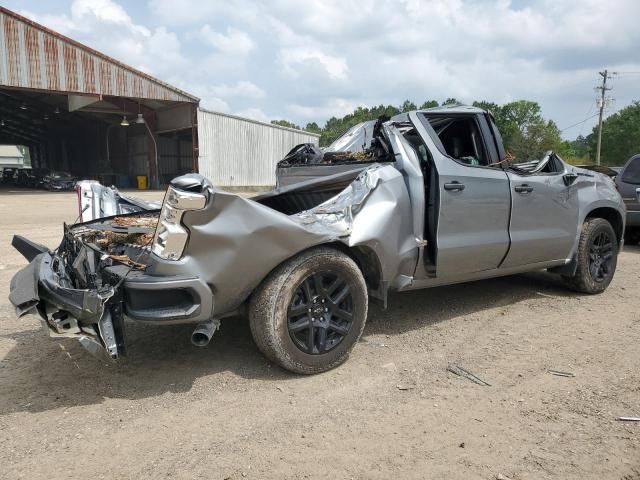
<point x="603" y="90"/>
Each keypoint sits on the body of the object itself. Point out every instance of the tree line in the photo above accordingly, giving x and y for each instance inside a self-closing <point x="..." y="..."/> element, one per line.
<point x="620" y="138"/>
<point x="525" y="132"/>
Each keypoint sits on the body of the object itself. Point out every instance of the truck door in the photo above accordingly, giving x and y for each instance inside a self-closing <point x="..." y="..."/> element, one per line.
<point x="544" y="213"/>
<point x="474" y="200"/>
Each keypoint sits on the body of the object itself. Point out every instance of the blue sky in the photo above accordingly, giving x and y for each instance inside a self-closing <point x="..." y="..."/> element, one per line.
<point x="308" y="61"/>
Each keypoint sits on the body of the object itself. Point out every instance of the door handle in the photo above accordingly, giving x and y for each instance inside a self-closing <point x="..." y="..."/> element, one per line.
<point x="454" y="186"/>
<point x="524" y="188"/>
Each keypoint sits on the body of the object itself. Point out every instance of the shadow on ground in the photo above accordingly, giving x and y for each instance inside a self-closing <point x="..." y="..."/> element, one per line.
<point x="631" y="249"/>
<point x="40" y="374"/>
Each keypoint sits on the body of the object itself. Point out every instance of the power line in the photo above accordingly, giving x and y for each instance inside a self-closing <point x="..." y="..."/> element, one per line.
<point x="587" y="113"/>
<point x="579" y="123"/>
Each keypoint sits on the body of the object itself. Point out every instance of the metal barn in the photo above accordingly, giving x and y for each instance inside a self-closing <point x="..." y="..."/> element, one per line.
<point x="81" y="111"/>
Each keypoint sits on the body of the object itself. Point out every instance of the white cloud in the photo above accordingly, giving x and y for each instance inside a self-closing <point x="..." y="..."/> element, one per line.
<point x="254" y="113"/>
<point x="105" y="11"/>
<point x="216" y="104"/>
<point x="189" y="12"/>
<point x="243" y="89"/>
<point x="234" y="42"/>
<point x="332" y="107"/>
<point x="336" y="67"/>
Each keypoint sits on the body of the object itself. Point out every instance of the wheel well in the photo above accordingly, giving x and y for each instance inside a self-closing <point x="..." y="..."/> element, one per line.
<point x="612" y="216"/>
<point x="367" y="262"/>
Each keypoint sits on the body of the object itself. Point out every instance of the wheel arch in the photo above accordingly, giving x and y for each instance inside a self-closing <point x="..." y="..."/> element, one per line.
<point x="365" y="258"/>
<point x="369" y="264"/>
<point x="611" y="215"/>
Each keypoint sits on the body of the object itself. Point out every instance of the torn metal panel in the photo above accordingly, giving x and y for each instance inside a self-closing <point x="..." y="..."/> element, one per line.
<point x="336" y="214"/>
<point x="99" y="201"/>
<point x="407" y="162"/>
<point x="371" y="212"/>
<point x="364" y="144"/>
<point x="356" y="139"/>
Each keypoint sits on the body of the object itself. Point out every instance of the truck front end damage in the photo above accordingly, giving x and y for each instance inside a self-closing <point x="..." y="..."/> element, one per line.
<point x="51" y="286"/>
<point x="199" y="258"/>
<point x="98" y="275"/>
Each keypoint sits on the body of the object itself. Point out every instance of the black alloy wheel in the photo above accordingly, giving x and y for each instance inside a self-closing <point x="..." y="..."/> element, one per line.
<point x="596" y="257"/>
<point x="310" y="311"/>
<point x="600" y="256"/>
<point x="320" y="313"/>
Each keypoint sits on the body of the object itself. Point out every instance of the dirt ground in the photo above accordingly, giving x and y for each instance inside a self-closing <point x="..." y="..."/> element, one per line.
<point x="171" y="410"/>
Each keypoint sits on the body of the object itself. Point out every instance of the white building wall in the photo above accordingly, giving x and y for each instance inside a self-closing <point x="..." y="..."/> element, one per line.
<point x="238" y="152"/>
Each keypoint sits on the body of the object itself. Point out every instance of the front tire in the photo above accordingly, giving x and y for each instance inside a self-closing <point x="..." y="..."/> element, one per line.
<point x="597" y="257"/>
<point x="308" y="314"/>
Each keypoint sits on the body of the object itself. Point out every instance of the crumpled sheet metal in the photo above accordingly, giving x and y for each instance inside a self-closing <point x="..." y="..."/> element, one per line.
<point x="357" y="138"/>
<point x="374" y="211"/>
<point x="99" y="201"/>
<point x="235" y="242"/>
<point x="335" y="216"/>
<point x="407" y="162"/>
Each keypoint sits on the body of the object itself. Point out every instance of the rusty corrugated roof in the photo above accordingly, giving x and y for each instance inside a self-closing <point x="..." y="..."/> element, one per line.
<point x="33" y="56"/>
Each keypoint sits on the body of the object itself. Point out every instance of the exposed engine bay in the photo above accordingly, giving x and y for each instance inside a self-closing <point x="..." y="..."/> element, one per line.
<point x="89" y="247"/>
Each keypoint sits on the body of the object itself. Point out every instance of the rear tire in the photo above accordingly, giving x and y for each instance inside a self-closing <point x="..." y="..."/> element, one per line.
<point x="597" y="257"/>
<point x="308" y="314"/>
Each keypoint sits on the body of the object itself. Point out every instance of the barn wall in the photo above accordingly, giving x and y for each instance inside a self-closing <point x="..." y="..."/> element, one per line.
<point x="237" y="152"/>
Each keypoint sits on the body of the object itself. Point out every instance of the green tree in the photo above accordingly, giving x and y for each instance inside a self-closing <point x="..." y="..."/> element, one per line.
<point x="581" y="147"/>
<point x="408" y="106"/>
<point x="525" y="132"/>
<point x="429" y="104"/>
<point x="313" y="128"/>
<point x="335" y="127"/>
<point x="492" y="107"/>
<point x="515" y="118"/>
<point x="285" y="123"/>
<point x="620" y="136"/>
<point x="451" y="101"/>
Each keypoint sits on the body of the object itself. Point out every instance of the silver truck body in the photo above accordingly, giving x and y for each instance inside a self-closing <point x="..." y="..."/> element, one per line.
<point x="415" y="217"/>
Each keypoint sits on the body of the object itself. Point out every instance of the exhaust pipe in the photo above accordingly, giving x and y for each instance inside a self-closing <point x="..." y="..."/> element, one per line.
<point x="201" y="336"/>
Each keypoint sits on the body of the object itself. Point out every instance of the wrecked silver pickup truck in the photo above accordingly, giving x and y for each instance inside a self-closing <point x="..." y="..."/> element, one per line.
<point x="422" y="199"/>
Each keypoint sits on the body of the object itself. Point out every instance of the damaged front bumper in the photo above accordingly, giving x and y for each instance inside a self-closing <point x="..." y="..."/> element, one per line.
<point x="96" y="316"/>
<point x="66" y="311"/>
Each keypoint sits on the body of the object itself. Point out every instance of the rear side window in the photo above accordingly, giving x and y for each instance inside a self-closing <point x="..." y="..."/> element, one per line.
<point x="632" y="172"/>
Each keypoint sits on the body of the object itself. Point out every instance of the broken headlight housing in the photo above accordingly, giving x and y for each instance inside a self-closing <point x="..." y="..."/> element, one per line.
<point x="171" y="236"/>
